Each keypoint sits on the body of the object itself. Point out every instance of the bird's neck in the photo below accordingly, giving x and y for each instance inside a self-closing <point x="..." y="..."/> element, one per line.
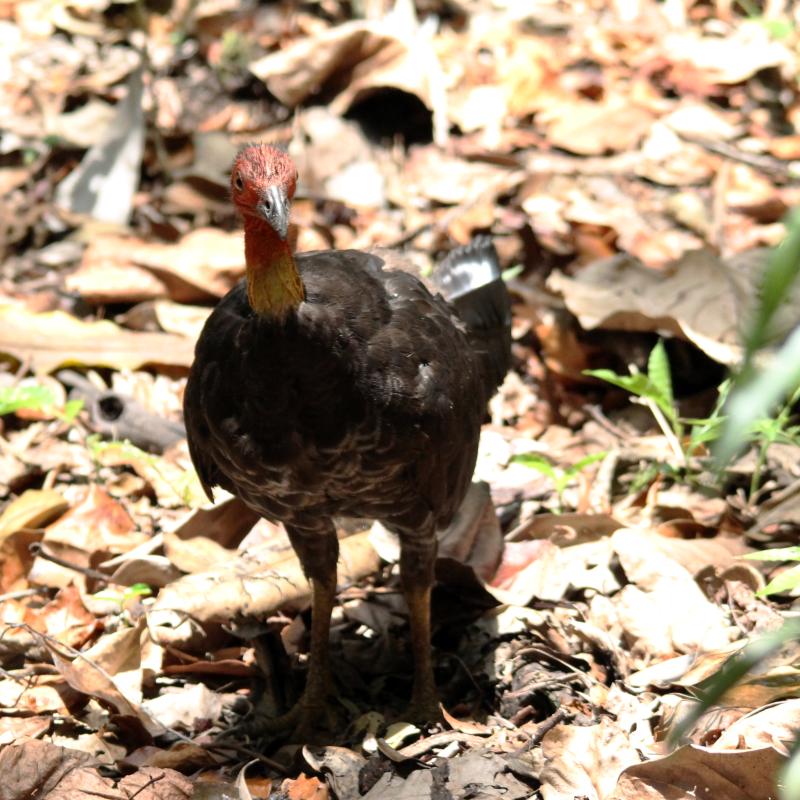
<point x="274" y="287"/>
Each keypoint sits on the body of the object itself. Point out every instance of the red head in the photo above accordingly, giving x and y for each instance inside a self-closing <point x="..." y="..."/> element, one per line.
<point x="263" y="181"/>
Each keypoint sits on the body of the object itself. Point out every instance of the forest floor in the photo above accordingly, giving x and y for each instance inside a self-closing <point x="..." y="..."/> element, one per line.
<point x="634" y="162"/>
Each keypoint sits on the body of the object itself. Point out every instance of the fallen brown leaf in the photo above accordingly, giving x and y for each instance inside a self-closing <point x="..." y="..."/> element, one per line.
<point x="254" y="587"/>
<point x="585" y="761"/>
<point x="110" y="671"/>
<point x="591" y="128"/>
<point x="695" y="771"/>
<point x="55" y="339"/>
<point x="96" y="525"/>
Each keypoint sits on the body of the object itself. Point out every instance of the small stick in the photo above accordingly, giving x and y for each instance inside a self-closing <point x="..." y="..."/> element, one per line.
<point x="37" y="549"/>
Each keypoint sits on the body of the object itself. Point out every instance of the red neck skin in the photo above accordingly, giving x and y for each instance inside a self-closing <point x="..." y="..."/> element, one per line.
<point x="274" y="287"/>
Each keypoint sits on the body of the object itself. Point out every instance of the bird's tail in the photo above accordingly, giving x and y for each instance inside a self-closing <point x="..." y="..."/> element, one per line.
<point x="470" y="279"/>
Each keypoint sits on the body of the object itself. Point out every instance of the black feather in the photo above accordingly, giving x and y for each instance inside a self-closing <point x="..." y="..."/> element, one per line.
<point x="367" y="401"/>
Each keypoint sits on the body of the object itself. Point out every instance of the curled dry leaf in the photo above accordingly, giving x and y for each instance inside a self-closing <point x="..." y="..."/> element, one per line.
<point x="18" y="729"/>
<point x="196" y="554"/>
<point x="203" y="265"/>
<point x="168" y="316"/>
<point x="226" y="522"/>
<point x="772" y="678"/>
<point x="42" y="695"/>
<point x="304" y="787"/>
<point x="157" y="783"/>
<point x="19" y="525"/>
<point x="109" y="671"/>
<point x="352" y="59"/>
<point x="450" y="181"/>
<point x="340" y="766"/>
<point x="464" y="725"/>
<point x="206" y="263"/>
<point x="107" y="276"/>
<point x="181" y="756"/>
<point x="32" y="509"/>
<point x="65" y="618"/>
<point x="700" y="297"/>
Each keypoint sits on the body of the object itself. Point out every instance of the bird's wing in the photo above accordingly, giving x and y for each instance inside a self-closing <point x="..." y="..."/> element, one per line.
<point x="213" y="348"/>
<point x="408" y="351"/>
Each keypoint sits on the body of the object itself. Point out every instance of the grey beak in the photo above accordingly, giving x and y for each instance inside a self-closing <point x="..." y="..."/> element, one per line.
<point x="274" y="207"/>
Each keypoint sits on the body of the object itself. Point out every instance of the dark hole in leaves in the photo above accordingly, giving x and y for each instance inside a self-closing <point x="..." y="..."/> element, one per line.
<point x="111" y="407"/>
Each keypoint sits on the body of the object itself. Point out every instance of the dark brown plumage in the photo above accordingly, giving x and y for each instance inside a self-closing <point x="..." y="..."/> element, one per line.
<point x="361" y="396"/>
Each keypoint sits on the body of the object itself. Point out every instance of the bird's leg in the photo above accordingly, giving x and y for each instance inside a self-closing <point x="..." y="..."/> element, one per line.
<point x="318" y="553"/>
<point x="318" y="677"/>
<point x="416" y="571"/>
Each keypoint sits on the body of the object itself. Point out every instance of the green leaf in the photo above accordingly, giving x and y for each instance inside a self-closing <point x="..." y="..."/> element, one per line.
<point x="37" y="398"/>
<point x="537" y="462"/>
<point x="775" y="554"/>
<point x="138" y="590"/>
<point x="785" y="582"/>
<point x="637" y="384"/>
<point x="790" y="777"/>
<point x="703" y="422"/>
<point x="640" y="385"/>
<point x="14" y="398"/>
<point x="71" y="410"/>
<point x="660" y="374"/>
<point x="512" y="272"/>
<point x="781" y="272"/>
<point x="754" y="400"/>
<point x="586" y="461"/>
<point x="778" y="28"/>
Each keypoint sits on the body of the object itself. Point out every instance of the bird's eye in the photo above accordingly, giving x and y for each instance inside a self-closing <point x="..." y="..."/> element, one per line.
<point x="238" y="183"/>
<point x="268" y="204"/>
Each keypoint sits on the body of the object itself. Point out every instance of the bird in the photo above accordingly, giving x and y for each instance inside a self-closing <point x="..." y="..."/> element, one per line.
<point x="335" y="383"/>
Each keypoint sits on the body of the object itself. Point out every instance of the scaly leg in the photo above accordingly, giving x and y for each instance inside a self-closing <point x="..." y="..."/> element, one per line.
<point x="416" y="571"/>
<point x="318" y="553"/>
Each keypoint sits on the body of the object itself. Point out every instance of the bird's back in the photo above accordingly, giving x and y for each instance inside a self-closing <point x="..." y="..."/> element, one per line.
<point x="365" y="402"/>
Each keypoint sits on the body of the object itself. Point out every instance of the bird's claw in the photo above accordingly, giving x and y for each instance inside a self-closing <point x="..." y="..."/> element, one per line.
<point x="423" y="709"/>
<point x="304" y="723"/>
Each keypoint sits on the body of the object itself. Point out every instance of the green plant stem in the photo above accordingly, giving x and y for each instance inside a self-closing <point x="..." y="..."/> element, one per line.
<point x="755" y="478"/>
<point x="780" y="423"/>
<point x="666" y="429"/>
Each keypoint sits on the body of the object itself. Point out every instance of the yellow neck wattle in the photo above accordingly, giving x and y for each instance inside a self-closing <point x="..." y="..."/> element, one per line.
<point x="274" y="287"/>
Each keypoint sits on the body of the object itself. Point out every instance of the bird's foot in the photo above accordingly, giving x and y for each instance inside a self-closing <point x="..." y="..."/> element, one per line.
<point x="424" y="708"/>
<point x="307" y="722"/>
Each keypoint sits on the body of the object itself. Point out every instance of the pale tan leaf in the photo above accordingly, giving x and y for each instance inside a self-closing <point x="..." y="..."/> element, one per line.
<point x="32" y="509"/>
<point x="664" y="609"/>
<point x="698" y="772"/>
<point x="585" y="761"/>
<point x="254" y="586"/>
<point x="776" y="725"/>
<point x="54" y="339"/>
<point x="97" y="524"/>
<point x="700" y="297"/>
<point x="728" y="59"/>
<point x="589" y="128"/>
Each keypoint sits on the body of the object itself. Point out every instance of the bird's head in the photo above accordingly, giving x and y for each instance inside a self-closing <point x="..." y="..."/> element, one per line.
<point x="263" y="182"/>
